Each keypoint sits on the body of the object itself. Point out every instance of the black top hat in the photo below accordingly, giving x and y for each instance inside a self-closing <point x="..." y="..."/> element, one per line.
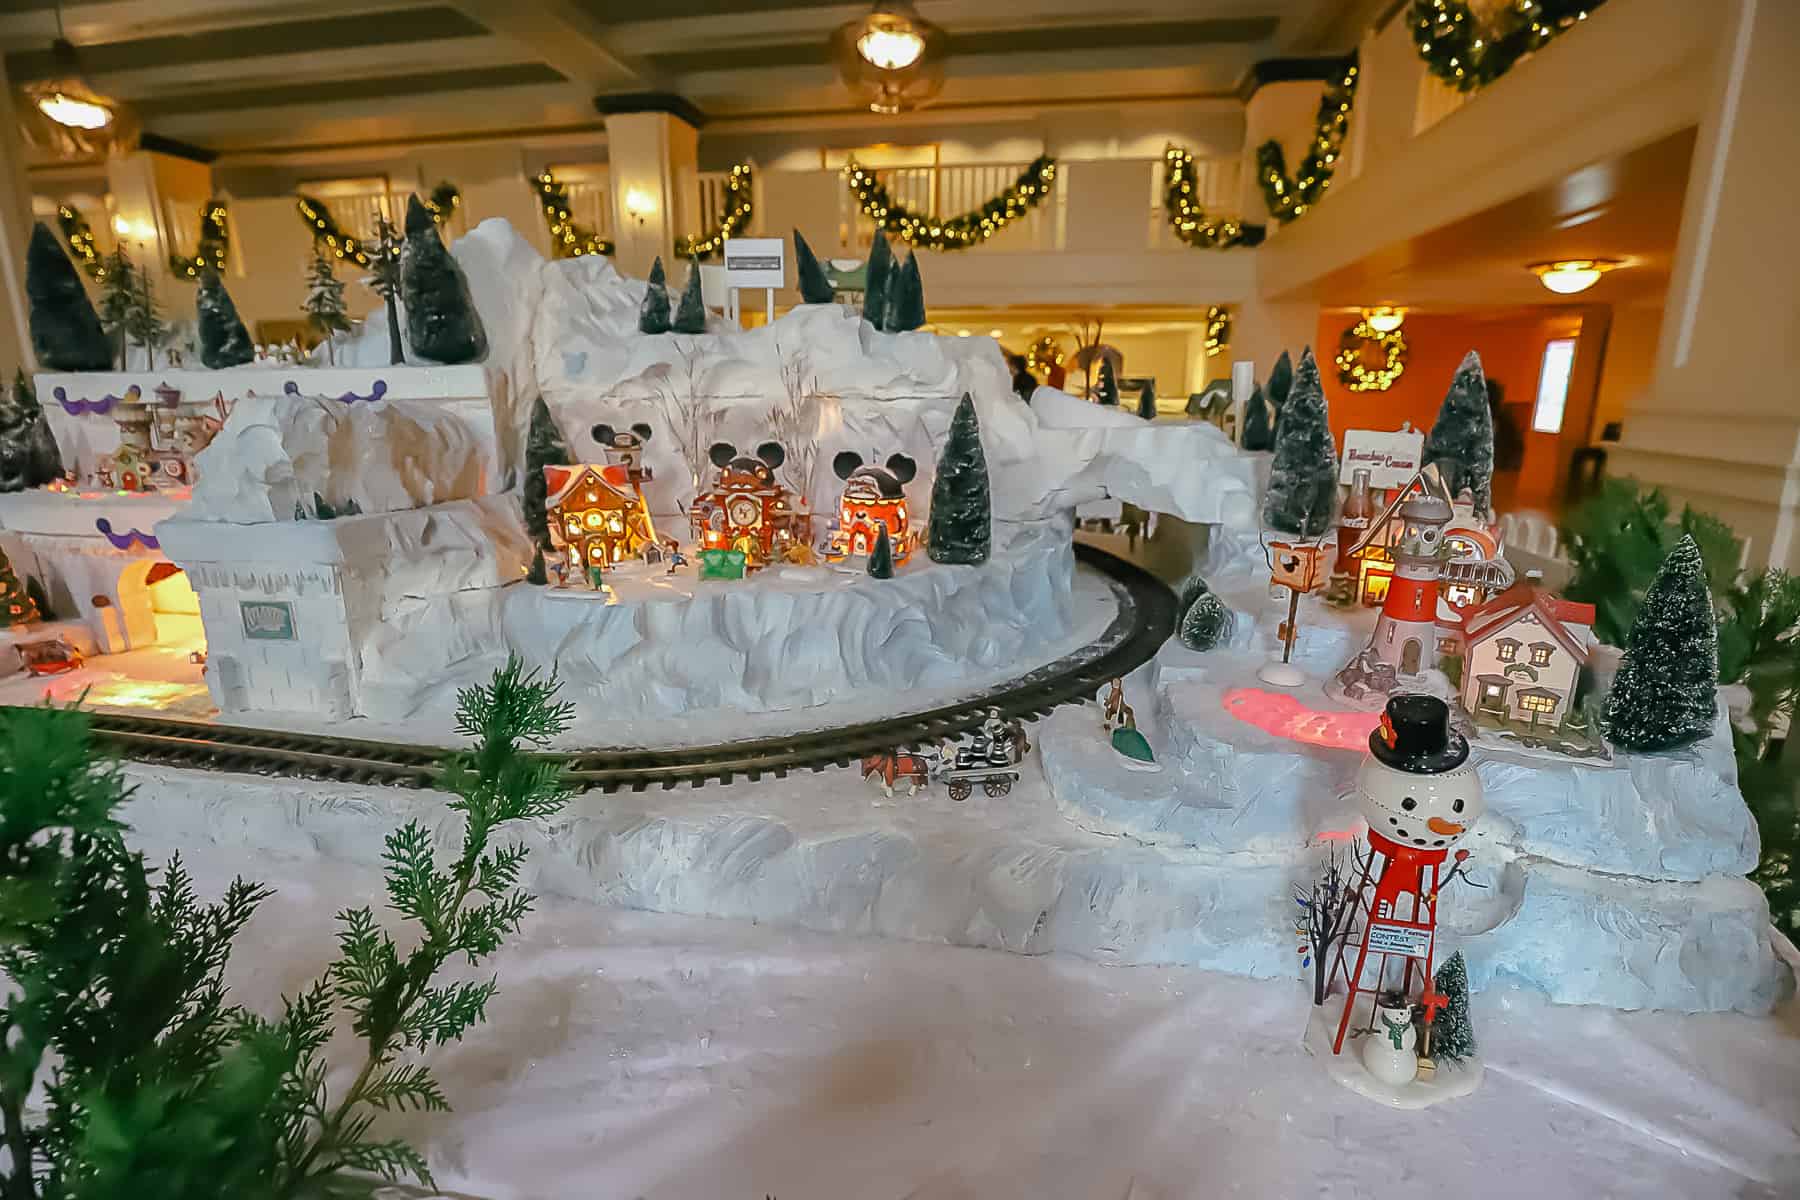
<point x="1415" y="736"/>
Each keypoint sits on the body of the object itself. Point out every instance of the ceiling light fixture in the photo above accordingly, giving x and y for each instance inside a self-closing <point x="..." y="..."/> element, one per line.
<point x="65" y="116"/>
<point x="1384" y="318"/>
<point x="1567" y="276"/>
<point x="892" y="59"/>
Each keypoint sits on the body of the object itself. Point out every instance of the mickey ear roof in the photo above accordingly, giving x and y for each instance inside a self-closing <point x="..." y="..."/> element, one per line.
<point x="902" y="468"/>
<point x="721" y="453"/>
<point x="845" y="462"/>
<point x="771" y="453"/>
<point x="643" y="431"/>
<point x="603" y="434"/>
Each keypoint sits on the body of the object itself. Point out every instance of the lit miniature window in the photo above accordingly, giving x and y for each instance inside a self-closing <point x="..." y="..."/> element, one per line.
<point x="1538" y="704"/>
<point x="574" y="525"/>
<point x="614" y="523"/>
<point x="1540" y="654"/>
<point x="1509" y="649"/>
<point x="1493" y="691"/>
<point x="593" y="499"/>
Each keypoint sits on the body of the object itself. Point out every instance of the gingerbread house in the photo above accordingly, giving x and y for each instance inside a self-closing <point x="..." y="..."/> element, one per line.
<point x="597" y="516"/>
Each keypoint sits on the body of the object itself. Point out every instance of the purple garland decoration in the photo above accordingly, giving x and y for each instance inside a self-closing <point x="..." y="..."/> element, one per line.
<point x="100" y="407"/>
<point x="124" y="541"/>
<point x="376" y="391"/>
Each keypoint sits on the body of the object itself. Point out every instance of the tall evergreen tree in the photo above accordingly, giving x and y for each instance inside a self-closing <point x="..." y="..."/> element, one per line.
<point x="690" y="314"/>
<point x="1259" y="423"/>
<point x="441" y="321"/>
<point x="144" y="322"/>
<point x="881" y="556"/>
<point x="1461" y="442"/>
<point x="1281" y="382"/>
<point x="544" y="447"/>
<point x="1303" y="478"/>
<point x="905" y="308"/>
<point x="875" y="280"/>
<point x="324" y="303"/>
<point x="1106" y="391"/>
<point x="224" y="342"/>
<point x="814" y="287"/>
<point x="1146" y="405"/>
<point x="653" y="313"/>
<point x="1452" y="1030"/>
<point x="16" y="605"/>
<point x="66" y="334"/>
<point x="1665" y="693"/>
<point x="118" y="288"/>
<point x="384" y="278"/>
<point x="961" y="524"/>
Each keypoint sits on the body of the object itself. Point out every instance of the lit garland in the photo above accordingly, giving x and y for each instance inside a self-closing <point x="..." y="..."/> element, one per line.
<point x="1288" y="198"/>
<point x="1218" y="330"/>
<point x="215" y="244"/>
<point x="1458" y="51"/>
<point x="738" y="192"/>
<point x="443" y="201"/>
<point x="318" y="219"/>
<point x="953" y="233"/>
<point x="1358" y="378"/>
<point x="1190" y="224"/>
<point x="80" y="237"/>
<point x="567" y="239"/>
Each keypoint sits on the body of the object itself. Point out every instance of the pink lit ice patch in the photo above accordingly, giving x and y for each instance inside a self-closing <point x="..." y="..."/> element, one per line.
<point x="1284" y="716"/>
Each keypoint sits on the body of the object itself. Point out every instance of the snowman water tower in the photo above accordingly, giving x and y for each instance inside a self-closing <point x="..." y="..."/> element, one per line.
<point x="1420" y="795"/>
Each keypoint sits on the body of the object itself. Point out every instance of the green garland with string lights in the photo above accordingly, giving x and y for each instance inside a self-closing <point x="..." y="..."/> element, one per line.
<point x="739" y="190"/>
<point x="953" y="233"/>
<point x="215" y="244"/>
<point x="1357" y="378"/>
<point x="1218" y="330"/>
<point x="1186" y="219"/>
<point x="443" y="201"/>
<point x="1289" y="197"/>
<point x="80" y="236"/>
<point x="567" y="239"/>
<point x="1457" y="49"/>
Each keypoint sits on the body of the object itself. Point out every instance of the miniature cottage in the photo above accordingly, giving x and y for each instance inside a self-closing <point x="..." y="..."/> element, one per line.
<point x="1522" y="655"/>
<point x="596" y="515"/>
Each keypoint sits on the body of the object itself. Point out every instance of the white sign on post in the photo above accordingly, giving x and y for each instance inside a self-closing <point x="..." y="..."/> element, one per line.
<point x="1399" y="939"/>
<point x="754" y="263"/>
<point x="1391" y="457"/>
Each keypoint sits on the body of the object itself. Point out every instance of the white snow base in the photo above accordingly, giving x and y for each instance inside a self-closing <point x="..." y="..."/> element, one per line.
<point x="1447" y="1082"/>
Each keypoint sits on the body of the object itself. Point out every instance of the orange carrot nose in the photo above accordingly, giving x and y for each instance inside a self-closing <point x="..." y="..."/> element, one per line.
<point x="1447" y="828"/>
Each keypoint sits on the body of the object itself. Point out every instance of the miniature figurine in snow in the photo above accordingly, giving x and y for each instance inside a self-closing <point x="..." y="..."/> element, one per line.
<point x="324" y="303"/>
<point x="1328" y="912"/>
<point x="987" y="759"/>
<point x="961" y="524"/>
<point x="814" y="287"/>
<point x="690" y="314"/>
<point x="875" y="280"/>
<point x="441" y="321"/>
<point x="905" y="307"/>
<point x="881" y="557"/>
<point x="544" y="447"/>
<point x="1666" y="691"/>
<point x="224" y="342"/>
<point x="873" y="501"/>
<point x="747" y="510"/>
<point x="1146" y="407"/>
<point x="1114" y="712"/>
<point x="28" y="453"/>
<point x="384" y="278"/>
<point x="1390" y="1054"/>
<point x="1106" y="389"/>
<point x="596" y="515"/>
<point x="1297" y="568"/>
<point x="66" y="334"/>
<point x="1302" y="493"/>
<point x="1461" y="443"/>
<point x="17" y="608"/>
<point x="1419" y="794"/>
<point x="653" y="313"/>
<point x="625" y="448"/>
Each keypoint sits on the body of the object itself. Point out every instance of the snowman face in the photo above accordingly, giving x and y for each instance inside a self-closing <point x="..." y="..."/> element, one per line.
<point x="1429" y="812"/>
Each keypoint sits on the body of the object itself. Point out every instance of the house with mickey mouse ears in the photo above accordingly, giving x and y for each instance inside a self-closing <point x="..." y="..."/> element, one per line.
<point x="1522" y="657"/>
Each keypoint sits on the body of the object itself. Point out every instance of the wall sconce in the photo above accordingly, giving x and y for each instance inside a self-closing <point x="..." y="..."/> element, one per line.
<point x="1568" y="276"/>
<point x="1384" y="318"/>
<point x="142" y="231"/>
<point x="639" y="204"/>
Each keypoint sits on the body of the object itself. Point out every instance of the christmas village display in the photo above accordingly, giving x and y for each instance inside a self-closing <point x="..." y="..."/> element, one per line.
<point x="516" y="461"/>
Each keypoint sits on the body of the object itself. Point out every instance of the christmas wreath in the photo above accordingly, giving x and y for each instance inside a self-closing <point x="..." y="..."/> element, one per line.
<point x="1182" y="207"/>
<point x="738" y="190"/>
<point x="1287" y="197"/>
<point x="1358" y="378"/>
<point x="952" y="233"/>
<point x="1458" y="50"/>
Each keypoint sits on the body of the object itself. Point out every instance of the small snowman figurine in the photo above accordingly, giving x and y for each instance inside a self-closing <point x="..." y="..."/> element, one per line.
<point x="1390" y="1052"/>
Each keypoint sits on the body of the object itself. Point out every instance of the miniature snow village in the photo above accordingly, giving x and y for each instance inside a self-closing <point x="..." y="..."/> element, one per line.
<point x="1372" y="756"/>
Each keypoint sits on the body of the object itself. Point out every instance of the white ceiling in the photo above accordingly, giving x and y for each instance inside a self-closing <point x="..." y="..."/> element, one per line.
<point x="236" y="74"/>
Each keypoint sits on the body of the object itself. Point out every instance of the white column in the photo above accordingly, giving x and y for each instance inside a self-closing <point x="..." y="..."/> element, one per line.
<point x="651" y="166"/>
<point x="15" y="235"/>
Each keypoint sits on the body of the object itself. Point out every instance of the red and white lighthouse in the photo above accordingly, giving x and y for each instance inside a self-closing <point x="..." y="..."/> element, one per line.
<point x="1406" y="632"/>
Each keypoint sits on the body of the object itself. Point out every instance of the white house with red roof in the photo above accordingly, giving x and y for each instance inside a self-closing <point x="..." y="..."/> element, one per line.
<point x="1523" y="652"/>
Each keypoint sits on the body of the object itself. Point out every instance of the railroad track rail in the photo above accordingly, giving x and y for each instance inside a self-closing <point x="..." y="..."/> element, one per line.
<point x="1145" y="620"/>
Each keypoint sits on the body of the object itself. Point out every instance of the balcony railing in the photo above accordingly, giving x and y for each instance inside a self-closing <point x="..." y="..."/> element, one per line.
<point x="590" y="197"/>
<point x="949" y="191"/>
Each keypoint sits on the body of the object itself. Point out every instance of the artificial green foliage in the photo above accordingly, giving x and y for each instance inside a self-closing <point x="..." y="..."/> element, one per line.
<point x="875" y="280"/>
<point x="653" y="313"/>
<point x="1259" y="423"/>
<point x="1287" y="197"/>
<point x="905" y="308"/>
<point x="18" y="607"/>
<point x="441" y="319"/>
<point x="881" y="556"/>
<point x="1206" y="623"/>
<point x="384" y="254"/>
<point x="118" y="286"/>
<point x="144" y="323"/>
<point x="690" y="314"/>
<point x="66" y="333"/>
<point x="544" y="447"/>
<point x="1452" y="1030"/>
<point x="815" y="288"/>
<point x="28" y="454"/>
<point x="537" y="575"/>
<point x="1665" y="693"/>
<point x="1759" y="646"/>
<point x="1190" y="590"/>
<point x="1146" y="405"/>
<point x="1302" y="492"/>
<point x="1106" y="389"/>
<point x="224" y="342"/>
<point x="1618" y="538"/>
<point x="1468" y="51"/>
<point x="1461" y="441"/>
<point x="324" y="304"/>
<point x="961" y="524"/>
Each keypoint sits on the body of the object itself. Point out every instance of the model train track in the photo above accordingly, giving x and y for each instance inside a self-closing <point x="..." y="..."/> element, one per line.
<point x="1145" y="619"/>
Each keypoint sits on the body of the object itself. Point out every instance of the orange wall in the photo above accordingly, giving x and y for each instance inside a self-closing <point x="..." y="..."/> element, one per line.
<point x="1511" y="352"/>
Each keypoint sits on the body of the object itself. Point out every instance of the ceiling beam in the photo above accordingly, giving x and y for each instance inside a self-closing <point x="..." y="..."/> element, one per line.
<point x="307" y="67"/>
<point x="129" y="20"/>
<point x="562" y="34"/>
